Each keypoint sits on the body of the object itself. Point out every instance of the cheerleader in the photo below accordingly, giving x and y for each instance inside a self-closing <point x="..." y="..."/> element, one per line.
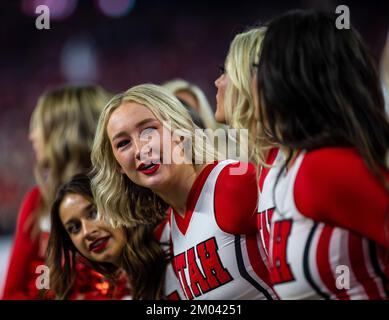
<point x="235" y="101"/>
<point x="77" y="231"/>
<point x="212" y="211"/>
<point x="321" y="101"/>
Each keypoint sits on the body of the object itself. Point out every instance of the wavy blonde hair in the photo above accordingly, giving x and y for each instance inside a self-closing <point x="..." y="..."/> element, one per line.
<point x="67" y="117"/>
<point x="239" y="100"/>
<point x="118" y="199"/>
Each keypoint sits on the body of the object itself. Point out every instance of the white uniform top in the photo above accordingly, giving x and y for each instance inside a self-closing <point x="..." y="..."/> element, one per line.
<point x="314" y="260"/>
<point x="172" y="287"/>
<point x="266" y="202"/>
<point x="213" y="264"/>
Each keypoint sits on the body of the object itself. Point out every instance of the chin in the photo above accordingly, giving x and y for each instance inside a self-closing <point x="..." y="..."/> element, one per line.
<point x="219" y="118"/>
<point x="152" y="182"/>
<point x="154" y="186"/>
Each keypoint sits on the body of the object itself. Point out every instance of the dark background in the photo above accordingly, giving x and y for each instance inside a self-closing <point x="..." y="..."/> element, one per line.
<point x="152" y="41"/>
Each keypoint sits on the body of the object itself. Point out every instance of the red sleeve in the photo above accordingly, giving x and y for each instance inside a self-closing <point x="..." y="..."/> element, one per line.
<point x="335" y="186"/>
<point x="236" y="200"/>
<point x="23" y="252"/>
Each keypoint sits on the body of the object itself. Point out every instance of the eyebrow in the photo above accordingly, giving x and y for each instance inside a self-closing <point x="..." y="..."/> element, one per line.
<point x="85" y="209"/>
<point x="138" y="125"/>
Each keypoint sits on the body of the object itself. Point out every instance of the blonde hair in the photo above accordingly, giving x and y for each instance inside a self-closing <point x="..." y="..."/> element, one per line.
<point x="67" y="117"/>
<point x="239" y="100"/>
<point x="118" y="199"/>
<point x="205" y="111"/>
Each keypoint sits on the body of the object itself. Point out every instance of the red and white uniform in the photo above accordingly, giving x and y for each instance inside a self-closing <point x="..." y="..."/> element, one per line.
<point x="266" y="183"/>
<point x="328" y="236"/>
<point x="216" y="245"/>
<point x="172" y="287"/>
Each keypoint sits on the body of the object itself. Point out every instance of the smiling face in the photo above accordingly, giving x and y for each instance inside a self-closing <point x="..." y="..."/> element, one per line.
<point x="92" y="237"/>
<point x="136" y="138"/>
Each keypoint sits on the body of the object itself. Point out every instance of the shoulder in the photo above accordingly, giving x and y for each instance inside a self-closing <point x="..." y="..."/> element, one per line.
<point x="236" y="198"/>
<point x="333" y="160"/>
<point x="331" y="177"/>
<point x="333" y="168"/>
<point x="235" y="176"/>
<point x="30" y="202"/>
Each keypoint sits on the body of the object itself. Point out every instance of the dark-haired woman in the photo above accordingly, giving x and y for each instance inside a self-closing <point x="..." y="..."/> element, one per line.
<point x="78" y="232"/>
<point x="319" y="98"/>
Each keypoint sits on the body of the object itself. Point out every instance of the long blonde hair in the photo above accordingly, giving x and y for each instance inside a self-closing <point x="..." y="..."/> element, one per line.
<point x="239" y="100"/>
<point x="67" y="117"/>
<point x="119" y="200"/>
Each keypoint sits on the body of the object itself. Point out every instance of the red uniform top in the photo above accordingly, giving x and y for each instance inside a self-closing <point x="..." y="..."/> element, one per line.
<point x="329" y="229"/>
<point x="27" y="254"/>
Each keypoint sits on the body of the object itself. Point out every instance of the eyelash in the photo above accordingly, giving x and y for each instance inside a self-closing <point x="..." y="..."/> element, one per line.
<point x="123" y="143"/>
<point x="92" y="214"/>
<point x="222" y="70"/>
<point x="70" y="229"/>
<point x="148" y="129"/>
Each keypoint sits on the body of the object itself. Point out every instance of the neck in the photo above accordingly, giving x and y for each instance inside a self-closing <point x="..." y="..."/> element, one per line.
<point x="176" y="195"/>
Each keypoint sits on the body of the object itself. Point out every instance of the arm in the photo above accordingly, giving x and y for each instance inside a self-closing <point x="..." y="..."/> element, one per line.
<point x="23" y="252"/>
<point x="335" y="186"/>
<point x="236" y="200"/>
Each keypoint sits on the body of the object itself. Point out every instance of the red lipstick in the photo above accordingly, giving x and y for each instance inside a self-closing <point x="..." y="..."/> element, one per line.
<point x="99" y="244"/>
<point x="149" y="168"/>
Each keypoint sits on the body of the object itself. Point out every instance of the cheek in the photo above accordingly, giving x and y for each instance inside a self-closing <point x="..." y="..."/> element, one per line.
<point x="125" y="161"/>
<point x="80" y="246"/>
<point x="119" y="239"/>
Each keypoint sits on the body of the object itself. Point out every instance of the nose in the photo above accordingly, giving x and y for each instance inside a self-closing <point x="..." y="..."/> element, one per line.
<point x="141" y="149"/>
<point x="89" y="229"/>
<point x="217" y="81"/>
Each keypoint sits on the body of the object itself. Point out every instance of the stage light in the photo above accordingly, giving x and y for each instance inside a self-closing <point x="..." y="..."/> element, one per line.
<point x="116" y="8"/>
<point x="79" y="61"/>
<point x="59" y="10"/>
